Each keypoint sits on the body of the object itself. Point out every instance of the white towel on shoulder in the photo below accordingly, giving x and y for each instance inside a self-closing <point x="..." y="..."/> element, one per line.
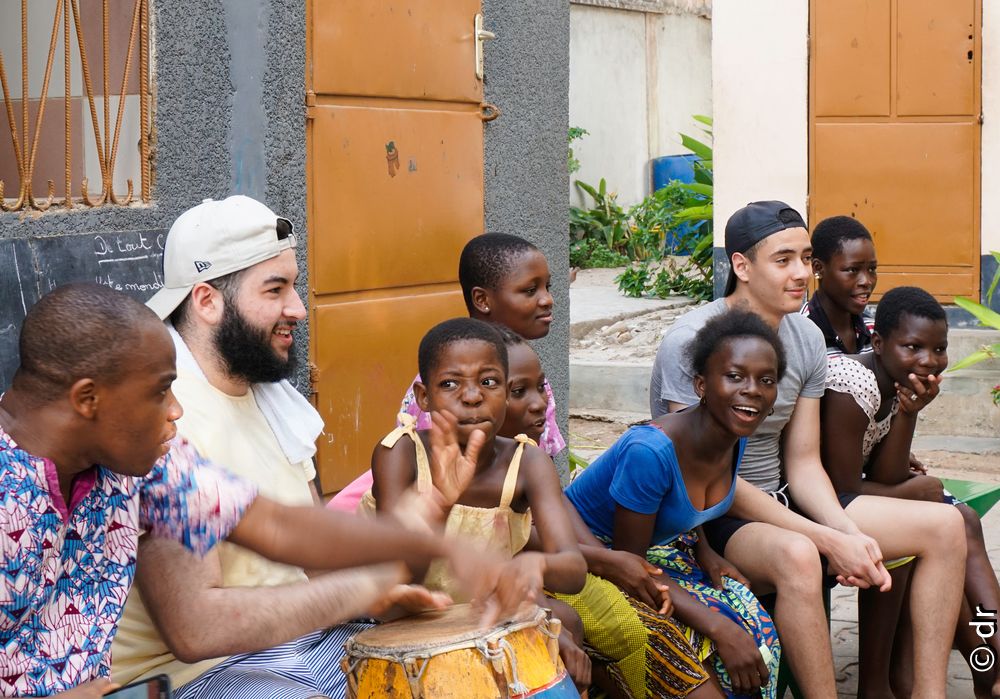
<point x="295" y="422"/>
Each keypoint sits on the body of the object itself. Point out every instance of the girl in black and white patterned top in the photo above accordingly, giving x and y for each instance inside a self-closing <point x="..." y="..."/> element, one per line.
<point x="869" y="414"/>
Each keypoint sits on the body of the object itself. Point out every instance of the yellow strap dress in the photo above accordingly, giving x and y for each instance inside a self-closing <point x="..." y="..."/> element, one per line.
<point x="499" y="529"/>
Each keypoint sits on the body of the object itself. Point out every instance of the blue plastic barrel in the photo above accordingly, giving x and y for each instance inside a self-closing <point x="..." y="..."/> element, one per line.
<point x="662" y="171"/>
<point x="672" y="167"/>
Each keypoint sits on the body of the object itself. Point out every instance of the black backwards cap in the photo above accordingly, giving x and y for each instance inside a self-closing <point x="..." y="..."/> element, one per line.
<point x="754" y="222"/>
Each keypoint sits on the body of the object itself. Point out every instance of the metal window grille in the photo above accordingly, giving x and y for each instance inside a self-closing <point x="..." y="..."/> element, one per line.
<point x="94" y="147"/>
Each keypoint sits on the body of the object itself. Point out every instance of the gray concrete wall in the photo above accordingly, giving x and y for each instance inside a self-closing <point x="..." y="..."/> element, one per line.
<point x="229" y="118"/>
<point x="527" y="76"/>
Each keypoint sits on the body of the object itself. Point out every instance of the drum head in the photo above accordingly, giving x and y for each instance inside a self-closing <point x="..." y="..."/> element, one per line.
<point x="430" y="630"/>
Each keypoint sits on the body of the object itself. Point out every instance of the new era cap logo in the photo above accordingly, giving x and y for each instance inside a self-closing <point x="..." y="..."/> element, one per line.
<point x="201" y="266"/>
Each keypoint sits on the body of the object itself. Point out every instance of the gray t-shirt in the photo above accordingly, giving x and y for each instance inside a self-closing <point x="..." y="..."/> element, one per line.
<point x="805" y="377"/>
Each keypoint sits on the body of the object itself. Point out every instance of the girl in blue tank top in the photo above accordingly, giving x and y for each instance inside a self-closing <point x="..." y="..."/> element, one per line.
<point x="663" y="479"/>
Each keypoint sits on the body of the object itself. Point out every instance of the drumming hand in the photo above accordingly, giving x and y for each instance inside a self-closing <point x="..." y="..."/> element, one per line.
<point x="634" y="574"/>
<point x="742" y="658"/>
<point x="520" y="581"/>
<point x="451" y="469"/>
<point x="409" y="599"/>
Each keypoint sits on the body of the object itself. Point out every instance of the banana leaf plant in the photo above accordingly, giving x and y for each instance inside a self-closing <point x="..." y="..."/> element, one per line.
<point x="986" y="316"/>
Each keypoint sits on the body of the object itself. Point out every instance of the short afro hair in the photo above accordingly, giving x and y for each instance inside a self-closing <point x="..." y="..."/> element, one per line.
<point x="905" y="300"/>
<point x="732" y="324"/>
<point x="487" y="260"/>
<point x="509" y="337"/>
<point x="830" y="234"/>
<point x="455" y="330"/>
<point x="78" y="331"/>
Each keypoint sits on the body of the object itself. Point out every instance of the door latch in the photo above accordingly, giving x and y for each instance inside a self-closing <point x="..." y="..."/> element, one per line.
<point x="480" y="35"/>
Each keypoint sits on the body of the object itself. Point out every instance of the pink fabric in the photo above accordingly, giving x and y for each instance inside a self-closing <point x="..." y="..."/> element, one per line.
<point x="347" y="499"/>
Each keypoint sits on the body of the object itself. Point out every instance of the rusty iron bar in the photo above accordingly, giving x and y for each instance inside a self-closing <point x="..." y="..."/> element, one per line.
<point x="26" y="149"/>
<point x="67" y="123"/>
<point x="121" y="105"/>
<point x="145" y="184"/>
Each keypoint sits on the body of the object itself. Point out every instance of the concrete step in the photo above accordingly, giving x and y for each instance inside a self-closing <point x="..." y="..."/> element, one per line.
<point x="963" y="409"/>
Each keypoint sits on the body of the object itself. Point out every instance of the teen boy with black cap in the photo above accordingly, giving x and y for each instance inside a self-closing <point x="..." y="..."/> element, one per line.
<point x="769" y="249"/>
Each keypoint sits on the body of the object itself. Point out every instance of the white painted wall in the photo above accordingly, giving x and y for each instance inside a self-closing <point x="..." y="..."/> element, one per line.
<point x="680" y="79"/>
<point x="990" y="185"/>
<point x="607" y="96"/>
<point x="635" y="80"/>
<point x="761" y="100"/>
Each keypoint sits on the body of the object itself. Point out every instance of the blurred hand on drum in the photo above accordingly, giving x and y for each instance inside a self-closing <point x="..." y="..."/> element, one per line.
<point x="519" y="581"/>
<point x="403" y="600"/>
<point x="452" y="469"/>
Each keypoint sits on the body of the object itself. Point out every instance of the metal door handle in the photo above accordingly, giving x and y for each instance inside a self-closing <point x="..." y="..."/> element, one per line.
<point x="480" y="35"/>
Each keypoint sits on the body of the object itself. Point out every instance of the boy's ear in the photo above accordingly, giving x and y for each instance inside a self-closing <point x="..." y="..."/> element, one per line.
<point x="876" y="343"/>
<point x="84" y="399"/>
<point x="420" y="394"/>
<point x="817" y="265"/>
<point x="741" y="266"/>
<point x="481" y="300"/>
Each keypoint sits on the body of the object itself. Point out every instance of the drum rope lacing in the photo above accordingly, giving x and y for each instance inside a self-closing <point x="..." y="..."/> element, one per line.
<point x="504" y="648"/>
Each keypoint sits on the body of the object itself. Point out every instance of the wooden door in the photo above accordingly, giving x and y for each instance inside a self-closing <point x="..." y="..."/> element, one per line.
<point x="395" y="189"/>
<point x="895" y="134"/>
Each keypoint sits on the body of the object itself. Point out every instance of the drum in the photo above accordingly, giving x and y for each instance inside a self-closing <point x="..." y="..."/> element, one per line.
<point x="441" y="655"/>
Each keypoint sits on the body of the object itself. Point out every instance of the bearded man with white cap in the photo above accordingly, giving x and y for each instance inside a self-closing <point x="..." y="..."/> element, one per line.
<point x="230" y="299"/>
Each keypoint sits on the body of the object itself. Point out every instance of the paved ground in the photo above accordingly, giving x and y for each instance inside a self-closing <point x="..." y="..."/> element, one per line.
<point x="589" y="437"/>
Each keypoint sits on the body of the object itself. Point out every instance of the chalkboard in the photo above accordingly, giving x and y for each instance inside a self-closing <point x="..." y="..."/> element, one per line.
<point x="128" y="261"/>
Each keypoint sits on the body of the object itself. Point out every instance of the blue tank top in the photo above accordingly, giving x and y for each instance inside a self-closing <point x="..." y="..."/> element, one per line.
<point x="641" y="473"/>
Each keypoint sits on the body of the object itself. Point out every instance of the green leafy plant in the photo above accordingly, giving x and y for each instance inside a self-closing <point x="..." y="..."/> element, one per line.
<point x="606" y="234"/>
<point x="988" y="317"/>
<point x="634" y="280"/>
<point x="575" y="132"/>
<point x="605" y="221"/>
<point x="588" y="253"/>
<point x="695" y="207"/>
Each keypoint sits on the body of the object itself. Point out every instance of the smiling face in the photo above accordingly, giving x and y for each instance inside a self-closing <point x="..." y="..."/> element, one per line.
<point x="848" y="278"/>
<point x="522" y="301"/>
<point x="467" y="380"/>
<point x="528" y="400"/>
<point x="740" y="384"/>
<point x="917" y="346"/>
<point x="254" y="336"/>
<point x="135" y="417"/>
<point x="777" y="276"/>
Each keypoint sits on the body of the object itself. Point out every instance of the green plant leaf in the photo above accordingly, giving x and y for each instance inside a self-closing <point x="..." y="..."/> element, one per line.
<point x="701" y="118"/>
<point x="699" y="188"/>
<point x="976" y="357"/>
<point x="697" y="147"/>
<point x="986" y="316"/>
<point x="996" y="278"/>
<point x="588" y="189"/>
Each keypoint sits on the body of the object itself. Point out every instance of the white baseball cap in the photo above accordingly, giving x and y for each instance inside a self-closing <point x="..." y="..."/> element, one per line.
<point x="214" y="239"/>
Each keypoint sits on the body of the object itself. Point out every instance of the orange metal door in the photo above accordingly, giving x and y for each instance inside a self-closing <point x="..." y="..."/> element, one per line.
<point x="895" y="134"/>
<point x="395" y="187"/>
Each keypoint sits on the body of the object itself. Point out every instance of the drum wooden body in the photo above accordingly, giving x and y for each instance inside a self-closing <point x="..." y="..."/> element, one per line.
<point x="442" y="655"/>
